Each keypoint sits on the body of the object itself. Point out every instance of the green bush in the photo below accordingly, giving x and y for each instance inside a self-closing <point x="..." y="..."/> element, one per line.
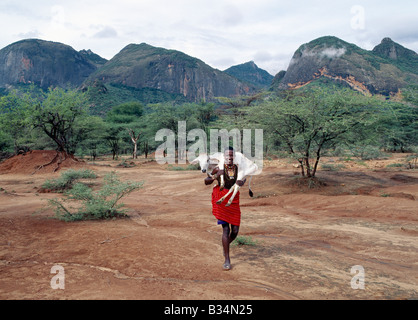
<point x="339" y="151"/>
<point x="179" y="168"/>
<point x="332" y="167"/>
<point x="373" y="153"/>
<point x="67" y="179"/>
<point x="395" y="165"/>
<point x="82" y="203"/>
<point x="125" y="164"/>
<point x="368" y="153"/>
<point x="244" y="241"/>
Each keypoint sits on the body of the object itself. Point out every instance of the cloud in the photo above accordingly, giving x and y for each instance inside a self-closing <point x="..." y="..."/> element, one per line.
<point x="106" y="32"/>
<point x="263" y="56"/>
<point x="332" y="53"/>
<point x="29" y="34"/>
<point x="231" y="16"/>
<point x="222" y="33"/>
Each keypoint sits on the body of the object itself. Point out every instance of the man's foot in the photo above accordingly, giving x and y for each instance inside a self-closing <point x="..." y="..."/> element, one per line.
<point x="226" y="266"/>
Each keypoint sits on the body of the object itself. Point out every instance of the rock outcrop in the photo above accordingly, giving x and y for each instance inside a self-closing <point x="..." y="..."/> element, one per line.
<point x="371" y="72"/>
<point x="43" y="63"/>
<point x="145" y="66"/>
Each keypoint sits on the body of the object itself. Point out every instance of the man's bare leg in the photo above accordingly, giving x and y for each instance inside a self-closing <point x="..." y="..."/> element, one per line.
<point x="228" y="236"/>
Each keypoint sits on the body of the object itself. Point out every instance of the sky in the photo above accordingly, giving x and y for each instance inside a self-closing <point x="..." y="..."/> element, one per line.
<point x="221" y="33"/>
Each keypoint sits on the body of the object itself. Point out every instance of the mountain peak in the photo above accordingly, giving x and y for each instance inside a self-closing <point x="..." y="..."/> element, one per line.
<point x="328" y="48"/>
<point x="387" y="40"/>
<point x="384" y="70"/>
<point x="93" y="57"/>
<point x="44" y="63"/>
<point x="326" y="42"/>
<point x="392" y="50"/>
<point x="251" y="64"/>
<point x="249" y="72"/>
<point x="145" y="66"/>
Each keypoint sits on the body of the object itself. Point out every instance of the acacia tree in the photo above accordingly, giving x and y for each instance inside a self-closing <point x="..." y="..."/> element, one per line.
<point x="61" y="115"/>
<point x="401" y="127"/>
<point x="127" y="115"/>
<point x="113" y="138"/>
<point x="91" y="134"/>
<point x="235" y="108"/>
<point x="312" y="120"/>
<point x="13" y="111"/>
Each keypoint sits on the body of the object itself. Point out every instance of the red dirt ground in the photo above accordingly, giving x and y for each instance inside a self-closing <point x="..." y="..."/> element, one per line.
<point x="170" y="246"/>
<point x="39" y="161"/>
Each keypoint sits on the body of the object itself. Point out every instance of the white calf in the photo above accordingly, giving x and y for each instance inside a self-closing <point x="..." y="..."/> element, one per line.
<point x="208" y="163"/>
<point x="246" y="168"/>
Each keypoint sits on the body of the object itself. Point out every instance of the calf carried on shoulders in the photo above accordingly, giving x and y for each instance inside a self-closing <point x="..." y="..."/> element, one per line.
<point x="246" y="168"/>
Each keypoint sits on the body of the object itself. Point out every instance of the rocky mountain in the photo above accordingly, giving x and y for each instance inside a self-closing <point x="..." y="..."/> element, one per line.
<point x="277" y="79"/>
<point x="43" y="63"/>
<point x="384" y="70"/>
<point x="94" y="58"/>
<point x="145" y="66"/>
<point x="151" y="74"/>
<point x="249" y="72"/>
<point x="403" y="58"/>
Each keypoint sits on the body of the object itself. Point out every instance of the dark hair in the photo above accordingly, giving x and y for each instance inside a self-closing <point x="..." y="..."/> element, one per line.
<point x="229" y="149"/>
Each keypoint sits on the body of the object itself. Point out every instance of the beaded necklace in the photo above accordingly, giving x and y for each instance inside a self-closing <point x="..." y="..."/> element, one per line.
<point x="230" y="171"/>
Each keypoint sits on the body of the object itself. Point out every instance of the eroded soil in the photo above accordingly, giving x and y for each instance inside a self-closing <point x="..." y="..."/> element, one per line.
<point x="307" y="240"/>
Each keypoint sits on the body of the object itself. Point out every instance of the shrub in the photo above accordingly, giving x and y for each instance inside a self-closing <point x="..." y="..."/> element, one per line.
<point x="87" y="204"/>
<point x="244" y="241"/>
<point x="125" y="164"/>
<point x="67" y="180"/>
<point x="187" y="168"/>
<point x="305" y="182"/>
<point x="368" y="152"/>
<point x="412" y="161"/>
<point x="395" y="165"/>
<point x="339" y="151"/>
<point x="372" y="153"/>
<point x="332" y="167"/>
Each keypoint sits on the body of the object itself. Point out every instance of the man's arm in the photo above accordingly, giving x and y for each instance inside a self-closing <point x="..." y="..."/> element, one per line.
<point x="215" y="174"/>
<point x="241" y="182"/>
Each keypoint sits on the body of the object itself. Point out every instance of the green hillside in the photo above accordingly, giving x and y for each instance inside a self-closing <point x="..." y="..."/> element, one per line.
<point x="102" y="97"/>
<point x="144" y="66"/>
<point x="249" y="72"/>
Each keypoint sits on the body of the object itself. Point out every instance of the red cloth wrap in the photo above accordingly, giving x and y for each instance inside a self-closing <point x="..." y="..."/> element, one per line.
<point x="231" y="214"/>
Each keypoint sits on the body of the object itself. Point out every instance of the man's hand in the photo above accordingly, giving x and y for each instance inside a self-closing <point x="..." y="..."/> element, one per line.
<point x="215" y="174"/>
<point x="209" y="180"/>
<point x="241" y="182"/>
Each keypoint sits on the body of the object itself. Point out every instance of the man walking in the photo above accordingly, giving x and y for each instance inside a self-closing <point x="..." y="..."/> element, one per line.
<point x="228" y="217"/>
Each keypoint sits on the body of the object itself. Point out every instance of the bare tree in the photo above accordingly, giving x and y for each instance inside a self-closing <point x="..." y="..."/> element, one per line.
<point x="134" y="139"/>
